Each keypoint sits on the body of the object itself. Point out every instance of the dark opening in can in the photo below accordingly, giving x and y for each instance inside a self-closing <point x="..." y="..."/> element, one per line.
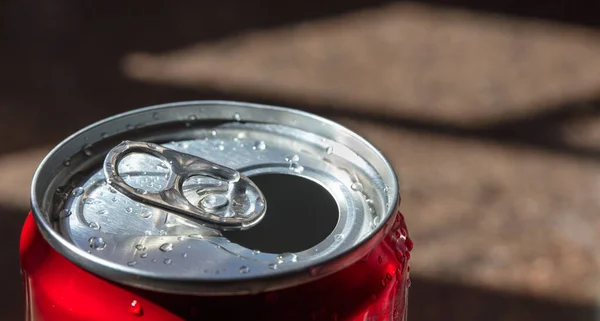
<point x="303" y="215"/>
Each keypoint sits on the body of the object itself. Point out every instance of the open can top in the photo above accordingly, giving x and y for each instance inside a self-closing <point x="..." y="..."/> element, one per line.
<point x="214" y="198"/>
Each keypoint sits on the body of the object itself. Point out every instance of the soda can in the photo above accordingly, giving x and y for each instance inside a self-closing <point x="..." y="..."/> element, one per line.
<point x="215" y="210"/>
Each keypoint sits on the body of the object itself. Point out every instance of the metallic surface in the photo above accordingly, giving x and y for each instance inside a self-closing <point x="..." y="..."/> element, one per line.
<point x="71" y="216"/>
<point x="211" y="209"/>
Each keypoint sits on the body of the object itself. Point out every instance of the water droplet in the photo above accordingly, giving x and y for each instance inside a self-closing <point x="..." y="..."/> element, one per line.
<point x="339" y="237"/>
<point x="111" y="189"/>
<point x="244" y="269"/>
<point x="184" y="255"/>
<point x="292" y="158"/>
<point x="97" y="243"/>
<point x="388" y="276"/>
<point x="90" y="201"/>
<point x="255" y="252"/>
<point x="167" y="261"/>
<point x="146" y="214"/>
<point x="129" y="210"/>
<point x="409" y="243"/>
<point x="286" y="257"/>
<point x="65" y="213"/>
<point x="144" y="255"/>
<point x="296" y="167"/>
<point x="375" y="218"/>
<point x="136" y="308"/>
<point x="67" y="162"/>
<point x="166" y="247"/>
<point x="214" y="201"/>
<point x="399" y="274"/>
<point x="181" y="238"/>
<point x="196" y="236"/>
<point x="400" y="256"/>
<point x="77" y="191"/>
<point x="237" y="117"/>
<point x="147" y="232"/>
<point x="383" y="282"/>
<point x="141" y="190"/>
<point x="357" y="186"/>
<point x="403" y="231"/>
<point x="114" y="199"/>
<point x="272" y="266"/>
<point x="87" y="150"/>
<point x="408" y="283"/>
<point x="140" y="247"/>
<point x="329" y="150"/>
<point x="131" y="263"/>
<point x="259" y="145"/>
<point x="155" y="116"/>
<point x="94" y="225"/>
<point x="192" y="117"/>
<point x="213" y="133"/>
<point x="104" y="135"/>
<point x="102" y="212"/>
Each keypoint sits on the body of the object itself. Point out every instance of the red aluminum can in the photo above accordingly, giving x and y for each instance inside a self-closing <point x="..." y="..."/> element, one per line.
<point x="175" y="226"/>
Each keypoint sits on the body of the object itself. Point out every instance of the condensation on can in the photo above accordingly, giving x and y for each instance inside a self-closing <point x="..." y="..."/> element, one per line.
<point x="299" y="203"/>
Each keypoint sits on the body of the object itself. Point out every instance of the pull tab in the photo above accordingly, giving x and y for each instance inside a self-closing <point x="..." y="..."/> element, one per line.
<point x="239" y="204"/>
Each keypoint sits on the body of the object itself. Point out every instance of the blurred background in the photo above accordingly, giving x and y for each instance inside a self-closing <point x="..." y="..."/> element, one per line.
<point x="487" y="109"/>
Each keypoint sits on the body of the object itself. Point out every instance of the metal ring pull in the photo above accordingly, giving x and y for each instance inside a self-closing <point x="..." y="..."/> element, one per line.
<point x="237" y="205"/>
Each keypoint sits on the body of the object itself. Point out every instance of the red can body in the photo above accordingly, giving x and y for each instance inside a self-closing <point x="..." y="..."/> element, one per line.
<point x="373" y="288"/>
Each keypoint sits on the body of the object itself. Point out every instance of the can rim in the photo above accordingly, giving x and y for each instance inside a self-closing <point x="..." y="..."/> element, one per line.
<point x="134" y="277"/>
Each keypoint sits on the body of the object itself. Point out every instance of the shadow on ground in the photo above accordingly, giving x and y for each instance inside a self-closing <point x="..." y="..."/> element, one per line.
<point x="544" y="130"/>
<point x="582" y="12"/>
<point x="430" y="300"/>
